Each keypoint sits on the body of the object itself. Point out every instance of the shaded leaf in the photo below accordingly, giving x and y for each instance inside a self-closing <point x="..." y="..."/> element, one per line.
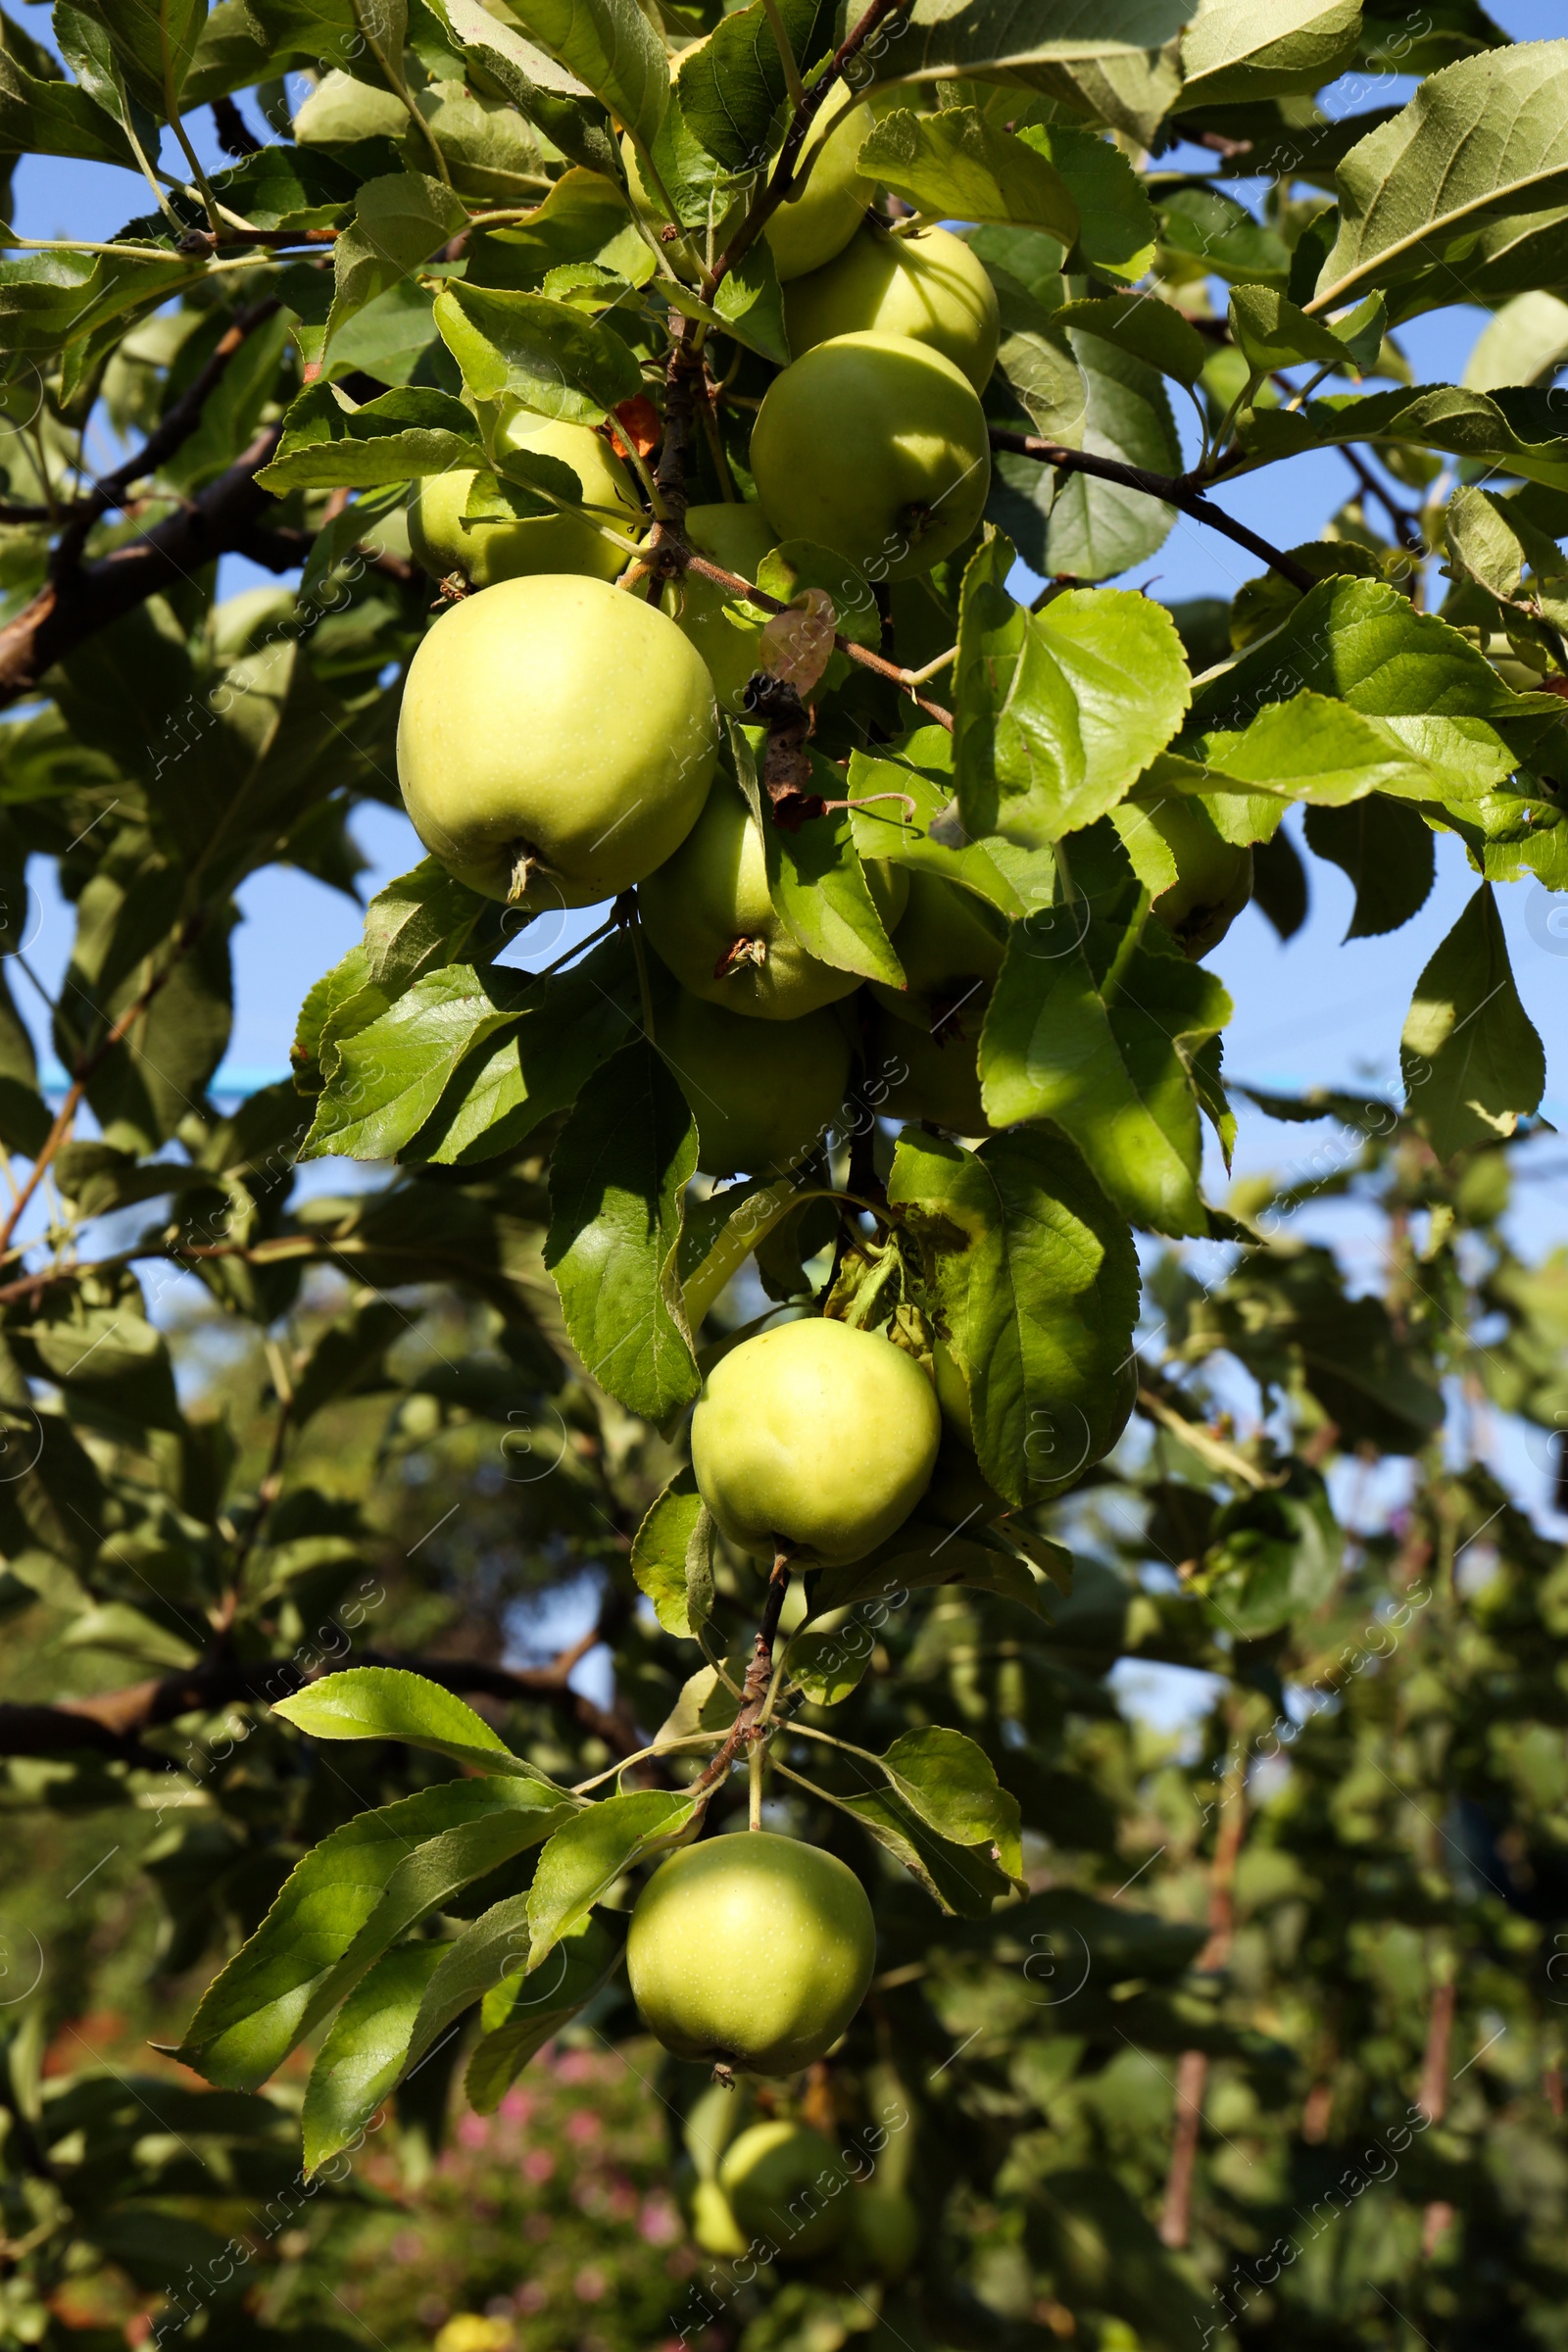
<point x="1472" y="1062"/>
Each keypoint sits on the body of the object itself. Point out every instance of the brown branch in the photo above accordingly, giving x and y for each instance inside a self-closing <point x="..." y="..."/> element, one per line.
<point x="782" y="178"/>
<point x="87" y="1065"/>
<point x="75" y="606"/>
<point x="683" y="558"/>
<point x="1167" y="487"/>
<point x="753" y="1691"/>
<point x="1191" y="2073"/>
<point x="171" y="433"/>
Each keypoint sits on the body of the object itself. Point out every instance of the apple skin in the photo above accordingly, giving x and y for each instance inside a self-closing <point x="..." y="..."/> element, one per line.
<point x="929" y="287"/>
<point x="877" y="448"/>
<point x="933" y="1076"/>
<point x="751" y="1951"/>
<point x="557" y="717"/>
<point x="815" y="1437"/>
<point x="714" y="2224"/>
<point x="737" y="535"/>
<point x="788" y="2188"/>
<point x="1213" y="878"/>
<point x="714" y="891"/>
<point x="507" y="551"/>
<point x="809" y="229"/>
<point x="951" y="945"/>
<point x="882" y="2229"/>
<point x="761" y="1098"/>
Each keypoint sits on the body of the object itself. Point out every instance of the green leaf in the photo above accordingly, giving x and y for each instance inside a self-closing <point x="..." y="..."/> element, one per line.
<point x="620" y="1166"/>
<point x="1515" y="431"/>
<point x="1117" y="225"/>
<point x="922" y="1555"/>
<point x="494" y="1949"/>
<point x="1236" y="53"/>
<point x="420" y="921"/>
<point x="389" y="1076"/>
<point x="584" y="1859"/>
<point x="732" y="84"/>
<point x="1095" y="1027"/>
<point x="1036" y="1278"/>
<point x="750" y="305"/>
<point x="948" y="1781"/>
<point x="1320" y="751"/>
<point x="1472" y="1062"/>
<point x="958" y="165"/>
<point x="546" y="91"/>
<point x="154" y="41"/>
<point x="55" y="118"/>
<point x="1484" y="137"/>
<point x="961" y="1878"/>
<point x="1272" y="1558"/>
<point x="1275" y="333"/>
<point x="1151" y="330"/>
<point x="523" y="2014"/>
<point x="539" y="352"/>
<point x="1524" y="343"/>
<point x="387" y="1702"/>
<point x="1387" y="851"/>
<point x="1087" y="529"/>
<point x="255" y="2011"/>
<point x="611" y="46"/>
<point x="396" y="437"/>
<point x="828" y="1666"/>
<point x="819" y="888"/>
<point x="366" y="2051"/>
<point x="672" y="1557"/>
<point x="569" y="1023"/>
<point x="399" y="222"/>
<point x="1204" y="224"/>
<point x="1060" y="711"/>
<point x="943" y="40"/>
<point x="888" y="831"/>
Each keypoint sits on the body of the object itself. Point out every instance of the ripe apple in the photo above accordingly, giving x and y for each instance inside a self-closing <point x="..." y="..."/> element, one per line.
<point x="559" y="722"/>
<point x="931" y="1074"/>
<point x="788" y="2188"/>
<point x="928" y="286"/>
<point x="1213" y="878"/>
<point x="761" y="1096"/>
<point x="951" y="945"/>
<point x="809" y="228"/>
<point x="882" y="2231"/>
<point x="750" y="1952"/>
<point x="709" y="916"/>
<point x="737" y="535"/>
<point x="814" y="1436"/>
<point x="876" y="447"/>
<point x="488" y="552"/>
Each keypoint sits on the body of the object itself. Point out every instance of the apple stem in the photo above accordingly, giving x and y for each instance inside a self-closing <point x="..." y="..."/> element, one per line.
<point x="753" y="1692"/>
<point x="754" y="1820"/>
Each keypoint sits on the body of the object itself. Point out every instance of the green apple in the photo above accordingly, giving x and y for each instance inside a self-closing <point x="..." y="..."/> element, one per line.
<point x="809" y="228"/>
<point x="487" y="552"/>
<point x="737" y="535"/>
<point x="951" y="945"/>
<point x="709" y="914"/>
<point x="557" y="740"/>
<point x="959" y="1496"/>
<point x="761" y="1096"/>
<point x="788" y="2188"/>
<point x="876" y="447"/>
<point x="1213" y="878"/>
<point x="815" y="1437"/>
<point x="750" y="1952"/>
<point x="714" y="2224"/>
<point x="928" y="286"/>
<point x="882" y="2231"/>
<point x="930" y="1074"/>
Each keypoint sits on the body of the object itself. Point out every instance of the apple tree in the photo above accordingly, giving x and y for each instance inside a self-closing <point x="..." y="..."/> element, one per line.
<point x="708" y="458"/>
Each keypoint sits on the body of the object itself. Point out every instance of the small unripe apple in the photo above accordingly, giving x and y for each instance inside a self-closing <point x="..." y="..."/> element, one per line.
<point x="876" y="447"/>
<point x="951" y="945"/>
<point x="882" y="2231"/>
<point x="816" y="1438"/>
<point x="557" y="740"/>
<point x="809" y="228"/>
<point x="751" y="1951"/>
<point x="487" y="552"/>
<point x="1213" y="877"/>
<point x="928" y="286"/>
<point x="761" y="1096"/>
<point x="789" y="2187"/>
<point x="709" y="916"/>
<point x="737" y="535"/>
<point x="931" y="1074"/>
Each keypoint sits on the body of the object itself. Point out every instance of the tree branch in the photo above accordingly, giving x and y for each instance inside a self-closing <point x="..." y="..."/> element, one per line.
<point x="684" y="560"/>
<point x="1164" y="486"/>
